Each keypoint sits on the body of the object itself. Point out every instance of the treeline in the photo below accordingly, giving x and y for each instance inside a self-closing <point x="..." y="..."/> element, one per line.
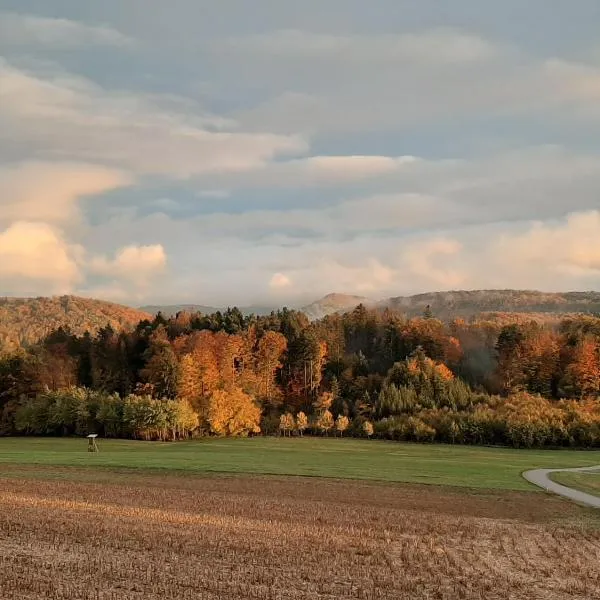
<point x="365" y="373"/>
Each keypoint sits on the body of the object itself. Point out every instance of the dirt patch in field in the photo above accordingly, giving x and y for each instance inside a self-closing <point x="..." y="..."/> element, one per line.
<point x="127" y="536"/>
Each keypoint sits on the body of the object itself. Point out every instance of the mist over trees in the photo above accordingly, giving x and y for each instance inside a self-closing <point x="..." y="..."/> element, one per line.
<point x="366" y="373"/>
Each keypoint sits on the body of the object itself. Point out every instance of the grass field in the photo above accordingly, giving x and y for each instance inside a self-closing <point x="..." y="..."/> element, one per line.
<point x="586" y="482"/>
<point x="491" y="468"/>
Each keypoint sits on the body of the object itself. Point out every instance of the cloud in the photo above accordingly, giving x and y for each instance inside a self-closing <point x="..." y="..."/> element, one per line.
<point x="353" y="83"/>
<point x="436" y="46"/>
<point x="210" y="193"/>
<point x="134" y="264"/>
<point x="319" y="171"/>
<point x="34" y="257"/>
<point x="49" y="192"/>
<point x="128" y="277"/>
<point x="62" y="115"/>
<point x="558" y="254"/>
<point x="25" y="30"/>
<point x="40" y="221"/>
<point x="569" y="248"/>
<point x="215" y="194"/>
<point x="387" y="195"/>
<point x="435" y="260"/>
<point x="279" y="281"/>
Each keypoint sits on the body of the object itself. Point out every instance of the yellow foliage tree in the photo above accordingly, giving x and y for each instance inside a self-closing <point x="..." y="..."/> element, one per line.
<point x="324" y="421"/>
<point x="286" y="423"/>
<point x="301" y="422"/>
<point x="186" y="418"/>
<point x="190" y="379"/>
<point x="233" y="412"/>
<point x="367" y="428"/>
<point x="341" y="424"/>
<point x="270" y="350"/>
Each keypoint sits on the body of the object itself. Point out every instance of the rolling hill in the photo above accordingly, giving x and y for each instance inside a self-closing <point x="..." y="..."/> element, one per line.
<point x="466" y="304"/>
<point x="500" y="305"/>
<point x="334" y="303"/>
<point x="24" y="321"/>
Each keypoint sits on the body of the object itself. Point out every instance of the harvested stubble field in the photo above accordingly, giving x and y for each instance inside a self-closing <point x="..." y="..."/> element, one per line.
<point x="70" y="533"/>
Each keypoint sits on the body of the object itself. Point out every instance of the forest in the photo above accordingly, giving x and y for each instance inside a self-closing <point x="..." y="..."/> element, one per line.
<point x="366" y="373"/>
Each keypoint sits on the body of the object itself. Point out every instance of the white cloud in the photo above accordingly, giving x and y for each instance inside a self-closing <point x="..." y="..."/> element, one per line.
<point x="279" y="281"/>
<point x="569" y="248"/>
<point x="437" y="46"/>
<point x="553" y="255"/>
<point x="326" y="83"/>
<point x="24" y="30"/>
<point x="326" y="171"/>
<point x="136" y="264"/>
<point x="49" y="192"/>
<point x="435" y="260"/>
<point x="215" y="194"/>
<point x="35" y="258"/>
<point x="61" y="115"/>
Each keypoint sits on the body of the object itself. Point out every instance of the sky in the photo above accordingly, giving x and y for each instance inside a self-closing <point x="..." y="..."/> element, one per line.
<point x="266" y="152"/>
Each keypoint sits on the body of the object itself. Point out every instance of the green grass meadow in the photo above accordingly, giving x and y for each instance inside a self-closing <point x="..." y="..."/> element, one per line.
<point x="465" y="466"/>
<point x="586" y="482"/>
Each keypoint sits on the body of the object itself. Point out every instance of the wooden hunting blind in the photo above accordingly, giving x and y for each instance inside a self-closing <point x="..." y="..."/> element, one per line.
<point x="92" y="445"/>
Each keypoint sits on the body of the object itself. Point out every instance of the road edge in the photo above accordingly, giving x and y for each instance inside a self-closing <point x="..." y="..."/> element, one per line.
<point x="539" y="478"/>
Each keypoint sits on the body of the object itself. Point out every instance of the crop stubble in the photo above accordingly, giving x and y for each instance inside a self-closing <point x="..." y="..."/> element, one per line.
<point x="148" y="537"/>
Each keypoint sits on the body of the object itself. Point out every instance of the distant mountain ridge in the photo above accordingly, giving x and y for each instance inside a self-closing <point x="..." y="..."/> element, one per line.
<point x="334" y="303"/>
<point x="443" y="305"/>
<point x="465" y="304"/>
<point x="24" y="321"/>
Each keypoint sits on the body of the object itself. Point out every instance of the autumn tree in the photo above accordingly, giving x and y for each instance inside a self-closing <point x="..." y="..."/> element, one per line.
<point x="202" y="347"/>
<point x="233" y="412"/>
<point x="301" y="423"/>
<point x="183" y="419"/>
<point x="324" y="422"/>
<point x="341" y="424"/>
<point x="323" y="402"/>
<point x="541" y="362"/>
<point x="190" y="381"/>
<point x="582" y="377"/>
<point x="270" y="350"/>
<point x="286" y="423"/>
<point x="367" y="428"/>
<point x="229" y="351"/>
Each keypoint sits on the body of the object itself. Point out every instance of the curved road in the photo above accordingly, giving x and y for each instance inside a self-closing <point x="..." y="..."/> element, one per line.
<point x="540" y="478"/>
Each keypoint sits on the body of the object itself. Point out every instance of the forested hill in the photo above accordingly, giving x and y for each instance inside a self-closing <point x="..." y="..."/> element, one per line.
<point x="25" y="321"/>
<point x="465" y="304"/>
<point x="171" y="310"/>
<point x="332" y="304"/>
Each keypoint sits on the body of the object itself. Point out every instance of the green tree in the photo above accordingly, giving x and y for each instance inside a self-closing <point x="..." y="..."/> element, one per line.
<point x="161" y="370"/>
